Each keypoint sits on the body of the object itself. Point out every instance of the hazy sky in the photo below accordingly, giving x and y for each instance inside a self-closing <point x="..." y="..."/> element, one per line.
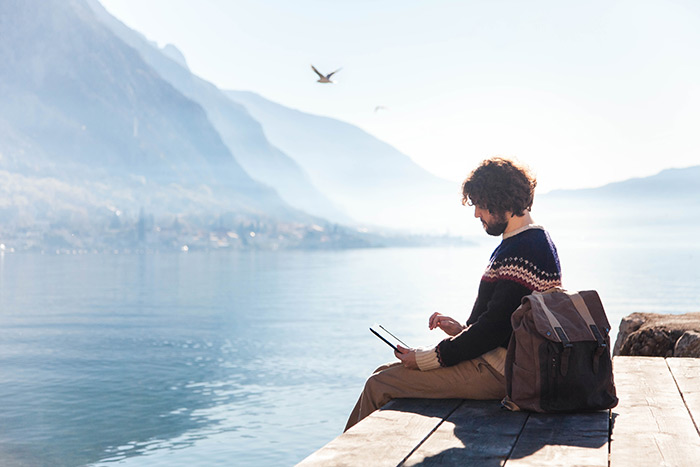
<point x="584" y="92"/>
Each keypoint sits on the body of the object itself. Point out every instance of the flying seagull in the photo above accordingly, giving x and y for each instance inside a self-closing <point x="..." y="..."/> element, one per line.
<point x="326" y="78"/>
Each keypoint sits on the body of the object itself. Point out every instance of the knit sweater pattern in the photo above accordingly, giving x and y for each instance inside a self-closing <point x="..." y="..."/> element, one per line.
<point x="524" y="262"/>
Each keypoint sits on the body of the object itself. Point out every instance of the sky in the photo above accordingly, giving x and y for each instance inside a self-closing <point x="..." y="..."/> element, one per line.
<point x="584" y="93"/>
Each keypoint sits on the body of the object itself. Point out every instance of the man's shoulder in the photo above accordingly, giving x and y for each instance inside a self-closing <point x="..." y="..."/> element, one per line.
<point x="528" y="258"/>
<point x="534" y="236"/>
<point x="533" y="245"/>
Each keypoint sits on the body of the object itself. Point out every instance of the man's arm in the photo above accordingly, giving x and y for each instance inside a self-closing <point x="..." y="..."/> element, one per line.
<point x="490" y="330"/>
<point x="418" y="359"/>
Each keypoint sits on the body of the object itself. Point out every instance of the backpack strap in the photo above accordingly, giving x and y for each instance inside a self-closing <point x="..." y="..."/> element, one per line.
<point x="559" y="331"/>
<point x="553" y="321"/>
<point x="585" y="313"/>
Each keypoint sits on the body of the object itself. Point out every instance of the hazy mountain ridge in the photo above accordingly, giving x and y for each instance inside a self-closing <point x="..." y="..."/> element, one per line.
<point x="100" y="149"/>
<point x="367" y="177"/>
<point x="84" y="119"/>
<point x="657" y="209"/>
<point x="66" y="78"/>
<point x="673" y="183"/>
<point x="239" y="131"/>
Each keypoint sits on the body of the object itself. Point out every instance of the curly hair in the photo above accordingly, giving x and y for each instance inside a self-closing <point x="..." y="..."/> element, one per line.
<point x="500" y="185"/>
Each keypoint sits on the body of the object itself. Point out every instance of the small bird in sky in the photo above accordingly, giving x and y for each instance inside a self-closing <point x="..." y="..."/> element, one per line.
<point x="324" y="78"/>
<point x="378" y="108"/>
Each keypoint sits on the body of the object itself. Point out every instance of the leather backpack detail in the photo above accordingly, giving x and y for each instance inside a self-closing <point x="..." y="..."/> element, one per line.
<point x="558" y="356"/>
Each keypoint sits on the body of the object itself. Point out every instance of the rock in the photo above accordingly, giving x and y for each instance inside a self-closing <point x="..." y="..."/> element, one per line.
<point x="628" y="325"/>
<point x="657" y="335"/>
<point x="688" y="345"/>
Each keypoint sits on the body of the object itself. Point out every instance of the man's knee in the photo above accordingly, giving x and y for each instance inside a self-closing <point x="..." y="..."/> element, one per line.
<point x="372" y="382"/>
<point x="375" y="393"/>
<point x="378" y="389"/>
<point x="384" y="367"/>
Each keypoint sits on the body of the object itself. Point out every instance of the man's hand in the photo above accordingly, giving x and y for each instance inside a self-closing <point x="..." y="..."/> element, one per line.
<point x="450" y="326"/>
<point x="407" y="357"/>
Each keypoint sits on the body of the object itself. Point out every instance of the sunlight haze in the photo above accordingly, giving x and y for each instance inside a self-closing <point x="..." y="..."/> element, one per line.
<point x="584" y="93"/>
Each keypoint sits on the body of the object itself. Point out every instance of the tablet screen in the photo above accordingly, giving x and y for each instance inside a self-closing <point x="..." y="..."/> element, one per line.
<point x="390" y="339"/>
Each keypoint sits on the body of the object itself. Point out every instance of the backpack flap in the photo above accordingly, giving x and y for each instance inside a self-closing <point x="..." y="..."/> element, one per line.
<point x="568" y="318"/>
<point x="592" y="302"/>
<point x="576" y="317"/>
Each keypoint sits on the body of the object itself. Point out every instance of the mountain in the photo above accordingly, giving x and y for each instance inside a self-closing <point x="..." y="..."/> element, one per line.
<point x="663" y="207"/>
<point x="90" y="132"/>
<point x="371" y="180"/>
<point x="361" y="180"/>
<point x="72" y="89"/>
<point x="676" y="185"/>
<point x="243" y="135"/>
<point x="105" y="139"/>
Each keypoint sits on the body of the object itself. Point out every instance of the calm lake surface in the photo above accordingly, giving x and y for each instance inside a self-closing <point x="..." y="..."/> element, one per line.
<point x="252" y="358"/>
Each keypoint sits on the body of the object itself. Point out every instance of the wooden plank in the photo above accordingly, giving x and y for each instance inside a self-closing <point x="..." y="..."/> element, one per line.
<point x="651" y="425"/>
<point x="563" y="439"/>
<point x="387" y="436"/>
<point x="477" y="433"/>
<point x="686" y="372"/>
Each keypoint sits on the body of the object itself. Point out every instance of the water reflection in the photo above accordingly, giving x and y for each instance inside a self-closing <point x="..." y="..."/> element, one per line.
<point x="252" y="359"/>
<point x="123" y="358"/>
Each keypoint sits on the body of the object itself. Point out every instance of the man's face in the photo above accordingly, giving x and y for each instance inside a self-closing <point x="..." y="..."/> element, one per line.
<point x="494" y="224"/>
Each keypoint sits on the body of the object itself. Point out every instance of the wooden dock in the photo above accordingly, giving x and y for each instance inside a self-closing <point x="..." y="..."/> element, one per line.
<point x="655" y="424"/>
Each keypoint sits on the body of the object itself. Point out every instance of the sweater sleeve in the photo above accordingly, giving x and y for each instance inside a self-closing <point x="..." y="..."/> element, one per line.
<point x="490" y="330"/>
<point x="427" y="359"/>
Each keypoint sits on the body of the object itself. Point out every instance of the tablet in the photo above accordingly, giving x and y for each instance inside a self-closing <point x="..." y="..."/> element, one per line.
<point x="390" y="339"/>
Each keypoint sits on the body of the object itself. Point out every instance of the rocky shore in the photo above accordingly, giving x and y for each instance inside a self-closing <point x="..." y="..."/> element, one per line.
<point x="659" y="335"/>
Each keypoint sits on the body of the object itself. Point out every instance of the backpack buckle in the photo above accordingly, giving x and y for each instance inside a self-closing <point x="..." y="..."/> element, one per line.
<point x="563" y="337"/>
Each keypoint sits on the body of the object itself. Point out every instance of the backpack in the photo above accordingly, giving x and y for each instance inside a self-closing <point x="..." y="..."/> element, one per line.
<point x="558" y="356"/>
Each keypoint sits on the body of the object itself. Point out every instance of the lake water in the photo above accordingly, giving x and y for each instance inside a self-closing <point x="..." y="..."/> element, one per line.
<point x="255" y="358"/>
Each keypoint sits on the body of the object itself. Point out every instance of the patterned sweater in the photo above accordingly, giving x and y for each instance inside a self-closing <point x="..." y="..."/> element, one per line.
<point x="525" y="261"/>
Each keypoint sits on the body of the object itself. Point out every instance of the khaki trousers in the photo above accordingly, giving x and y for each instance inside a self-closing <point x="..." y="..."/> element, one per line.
<point x="471" y="379"/>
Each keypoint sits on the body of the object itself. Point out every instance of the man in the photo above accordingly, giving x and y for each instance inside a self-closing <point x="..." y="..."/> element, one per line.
<point x="469" y="364"/>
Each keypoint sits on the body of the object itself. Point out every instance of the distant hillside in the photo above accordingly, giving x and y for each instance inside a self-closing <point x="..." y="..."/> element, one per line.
<point x="106" y="140"/>
<point x="239" y="131"/>
<point x="79" y="104"/>
<point x="96" y="148"/>
<point x="680" y="185"/>
<point x="666" y="203"/>
<point x="368" y="178"/>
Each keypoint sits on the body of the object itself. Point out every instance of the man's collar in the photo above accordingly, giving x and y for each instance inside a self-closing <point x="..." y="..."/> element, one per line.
<point x="522" y="229"/>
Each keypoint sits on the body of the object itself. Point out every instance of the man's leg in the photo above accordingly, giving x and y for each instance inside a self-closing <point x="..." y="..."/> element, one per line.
<point x="472" y="379"/>
<point x="355" y="414"/>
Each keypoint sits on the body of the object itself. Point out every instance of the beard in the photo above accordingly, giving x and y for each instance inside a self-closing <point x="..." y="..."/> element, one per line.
<point x="497" y="226"/>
